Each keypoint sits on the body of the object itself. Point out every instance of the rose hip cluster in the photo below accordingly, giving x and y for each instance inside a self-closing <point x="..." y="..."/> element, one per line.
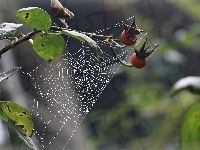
<point x="129" y="38"/>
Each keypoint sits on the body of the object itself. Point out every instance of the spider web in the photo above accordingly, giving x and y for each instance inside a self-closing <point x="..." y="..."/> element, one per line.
<point x="67" y="88"/>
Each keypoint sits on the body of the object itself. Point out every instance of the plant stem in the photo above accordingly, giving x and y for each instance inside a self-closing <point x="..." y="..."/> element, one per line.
<point x="108" y="39"/>
<point x="15" y="43"/>
<point x="121" y="61"/>
<point x="91" y="35"/>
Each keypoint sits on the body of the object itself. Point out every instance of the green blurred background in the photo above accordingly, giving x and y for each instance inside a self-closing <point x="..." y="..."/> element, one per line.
<point x="135" y="111"/>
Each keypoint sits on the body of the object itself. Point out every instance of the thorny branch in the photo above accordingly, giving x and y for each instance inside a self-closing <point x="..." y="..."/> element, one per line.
<point x="54" y="28"/>
<point x="19" y="41"/>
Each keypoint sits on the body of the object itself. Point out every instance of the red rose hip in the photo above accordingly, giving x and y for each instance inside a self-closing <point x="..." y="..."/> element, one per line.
<point x="137" y="62"/>
<point x="127" y="41"/>
<point x="129" y="34"/>
<point x="138" y="59"/>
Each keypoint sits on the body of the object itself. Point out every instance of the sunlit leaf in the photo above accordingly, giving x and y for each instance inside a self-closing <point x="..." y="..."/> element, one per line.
<point x="8" y="29"/>
<point x="191" y="83"/>
<point x="8" y="73"/>
<point x="190" y="131"/>
<point x="49" y="47"/>
<point x="95" y="49"/>
<point x="34" y="17"/>
<point x="18" y="114"/>
<point x="3" y="115"/>
<point x="22" y="142"/>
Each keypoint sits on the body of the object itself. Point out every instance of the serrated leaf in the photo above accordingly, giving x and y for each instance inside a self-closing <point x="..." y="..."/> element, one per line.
<point x="190" y="130"/>
<point x="94" y="48"/>
<point x="190" y="83"/>
<point x="35" y="17"/>
<point x="8" y="29"/>
<point x="49" y="46"/>
<point x="18" y="114"/>
<point x="8" y="73"/>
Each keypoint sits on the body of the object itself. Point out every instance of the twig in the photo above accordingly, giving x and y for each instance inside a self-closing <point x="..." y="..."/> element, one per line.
<point x="24" y="38"/>
<point x="63" y="22"/>
<point x="108" y="39"/>
<point x="53" y="28"/>
<point x="121" y="61"/>
<point x="91" y="35"/>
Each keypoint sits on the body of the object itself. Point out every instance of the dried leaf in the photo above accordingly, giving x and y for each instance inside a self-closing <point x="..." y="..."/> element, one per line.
<point x="59" y="10"/>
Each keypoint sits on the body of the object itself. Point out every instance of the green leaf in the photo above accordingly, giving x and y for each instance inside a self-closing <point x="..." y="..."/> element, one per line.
<point x="35" y="17"/>
<point x="49" y="46"/>
<point x="18" y="140"/>
<point x="190" y="131"/>
<point x="95" y="49"/>
<point x="8" y="73"/>
<point x="3" y="115"/>
<point x="8" y="29"/>
<point x="18" y="114"/>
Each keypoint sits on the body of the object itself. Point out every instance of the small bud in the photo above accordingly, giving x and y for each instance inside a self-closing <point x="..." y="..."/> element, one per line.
<point x="31" y="41"/>
<point x="109" y="41"/>
<point x="49" y="61"/>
